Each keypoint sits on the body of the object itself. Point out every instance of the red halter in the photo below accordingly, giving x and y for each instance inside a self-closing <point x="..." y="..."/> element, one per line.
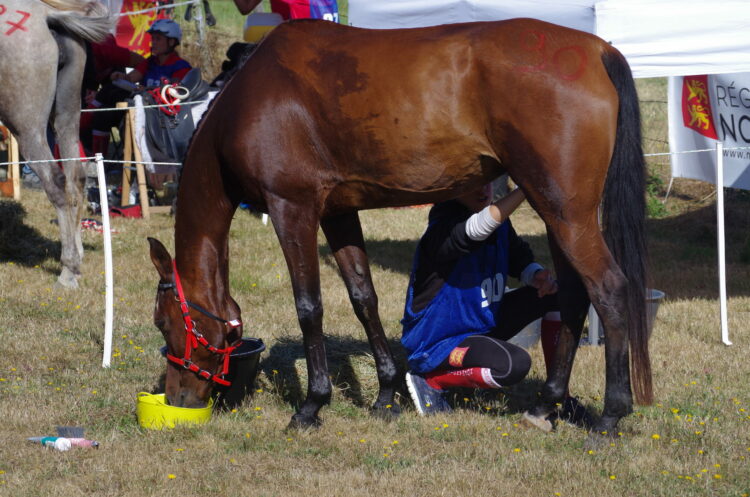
<point x="193" y="337"/>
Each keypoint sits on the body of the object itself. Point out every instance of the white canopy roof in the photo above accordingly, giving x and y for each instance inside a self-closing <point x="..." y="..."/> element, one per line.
<point x="658" y="37"/>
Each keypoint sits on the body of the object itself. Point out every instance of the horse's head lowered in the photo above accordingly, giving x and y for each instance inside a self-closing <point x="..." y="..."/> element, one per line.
<point x="199" y="339"/>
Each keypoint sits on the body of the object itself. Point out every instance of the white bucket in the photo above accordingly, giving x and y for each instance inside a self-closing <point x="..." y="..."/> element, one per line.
<point x="653" y="299"/>
<point x="529" y="336"/>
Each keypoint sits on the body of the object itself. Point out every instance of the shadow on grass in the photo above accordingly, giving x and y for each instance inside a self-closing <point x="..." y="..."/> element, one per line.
<point x="20" y="243"/>
<point x="394" y="255"/>
<point x="23" y="244"/>
<point x="683" y="253"/>
<point x="279" y="367"/>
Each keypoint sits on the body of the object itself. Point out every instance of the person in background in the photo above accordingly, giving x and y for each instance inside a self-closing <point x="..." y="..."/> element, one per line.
<point x="296" y="9"/>
<point x="102" y="60"/>
<point x="458" y="317"/>
<point x="164" y="63"/>
<point x="163" y="66"/>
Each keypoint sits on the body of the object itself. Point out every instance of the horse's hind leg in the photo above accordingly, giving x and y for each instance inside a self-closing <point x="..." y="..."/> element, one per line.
<point x="582" y="244"/>
<point x="65" y="121"/>
<point x="573" y="302"/>
<point x="296" y="227"/>
<point x="344" y="234"/>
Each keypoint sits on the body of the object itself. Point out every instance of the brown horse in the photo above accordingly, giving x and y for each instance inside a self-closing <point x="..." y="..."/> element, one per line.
<point x="324" y="120"/>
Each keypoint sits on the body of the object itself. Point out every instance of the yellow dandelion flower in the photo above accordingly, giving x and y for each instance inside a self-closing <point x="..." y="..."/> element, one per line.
<point x="655" y="436"/>
<point x="247" y="435"/>
<point x="362" y="440"/>
<point x="717" y="465"/>
<point x="179" y="450"/>
<point x="591" y="452"/>
<point x="171" y="476"/>
<point x="612" y="477"/>
<point x="395" y="442"/>
<point x="697" y="432"/>
<point x="385" y="455"/>
<point x="504" y="435"/>
<point x="517" y="449"/>
<point x="717" y="476"/>
<point x="445" y="425"/>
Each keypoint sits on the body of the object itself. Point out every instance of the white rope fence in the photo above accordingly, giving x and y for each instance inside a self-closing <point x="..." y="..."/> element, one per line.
<point x="158" y="7"/>
<point x="108" y="269"/>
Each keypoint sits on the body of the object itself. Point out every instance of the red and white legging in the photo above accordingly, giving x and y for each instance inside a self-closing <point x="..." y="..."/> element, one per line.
<point x="489" y="361"/>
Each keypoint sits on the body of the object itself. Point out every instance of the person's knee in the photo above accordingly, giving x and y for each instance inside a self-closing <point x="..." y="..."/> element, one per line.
<point x="520" y="366"/>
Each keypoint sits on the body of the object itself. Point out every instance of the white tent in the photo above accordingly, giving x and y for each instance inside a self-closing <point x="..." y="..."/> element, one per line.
<point x="658" y="37"/>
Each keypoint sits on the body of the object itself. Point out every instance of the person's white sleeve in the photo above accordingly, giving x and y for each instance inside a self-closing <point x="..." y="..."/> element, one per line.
<point x="481" y="225"/>
<point x="527" y="275"/>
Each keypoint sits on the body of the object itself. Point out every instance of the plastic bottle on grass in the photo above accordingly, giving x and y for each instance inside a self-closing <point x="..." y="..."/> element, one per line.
<point x="63" y="444"/>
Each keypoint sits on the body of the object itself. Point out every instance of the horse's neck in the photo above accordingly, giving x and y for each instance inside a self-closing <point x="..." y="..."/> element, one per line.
<point x="201" y="233"/>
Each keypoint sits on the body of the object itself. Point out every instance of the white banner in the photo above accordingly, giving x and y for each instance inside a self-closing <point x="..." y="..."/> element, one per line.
<point x="704" y="110"/>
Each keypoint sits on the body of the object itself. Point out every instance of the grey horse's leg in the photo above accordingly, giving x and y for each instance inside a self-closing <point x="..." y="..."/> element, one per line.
<point x="66" y="116"/>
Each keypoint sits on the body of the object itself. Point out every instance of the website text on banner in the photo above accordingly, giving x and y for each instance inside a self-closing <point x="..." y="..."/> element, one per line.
<point x="704" y="110"/>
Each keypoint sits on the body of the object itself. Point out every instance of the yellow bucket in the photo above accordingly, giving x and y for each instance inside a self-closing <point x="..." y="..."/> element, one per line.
<point x="154" y="413"/>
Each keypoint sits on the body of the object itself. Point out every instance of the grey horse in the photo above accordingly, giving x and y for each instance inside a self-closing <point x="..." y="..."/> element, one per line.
<point x="42" y="57"/>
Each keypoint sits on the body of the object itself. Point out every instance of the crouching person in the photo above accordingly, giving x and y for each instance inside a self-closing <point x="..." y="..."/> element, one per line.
<point x="458" y="318"/>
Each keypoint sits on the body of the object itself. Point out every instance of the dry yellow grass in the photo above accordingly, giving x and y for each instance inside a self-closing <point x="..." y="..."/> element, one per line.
<point x="693" y="442"/>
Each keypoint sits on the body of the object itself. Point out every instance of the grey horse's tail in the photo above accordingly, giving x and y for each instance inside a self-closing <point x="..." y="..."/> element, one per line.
<point x="83" y="19"/>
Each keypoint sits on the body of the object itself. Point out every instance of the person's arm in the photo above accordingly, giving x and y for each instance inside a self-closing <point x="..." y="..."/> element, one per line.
<point x="246" y="6"/>
<point x="133" y="76"/>
<point x="522" y="266"/>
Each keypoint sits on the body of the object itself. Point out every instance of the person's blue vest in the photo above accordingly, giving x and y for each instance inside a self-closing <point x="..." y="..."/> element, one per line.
<point x="467" y="304"/>
<point x="155" y="72"/>
<point x="324" y="9"/>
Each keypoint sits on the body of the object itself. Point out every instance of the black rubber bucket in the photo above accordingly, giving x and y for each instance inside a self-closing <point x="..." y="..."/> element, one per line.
<point x="243" y="369"/>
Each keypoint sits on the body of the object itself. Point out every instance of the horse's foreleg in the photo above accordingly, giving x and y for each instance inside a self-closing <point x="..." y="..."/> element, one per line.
<point x="344" y="234"/>
<point x="296" y="227"/>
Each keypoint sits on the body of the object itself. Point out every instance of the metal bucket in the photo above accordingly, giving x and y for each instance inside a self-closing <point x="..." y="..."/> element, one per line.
<point x="653" y="299"/>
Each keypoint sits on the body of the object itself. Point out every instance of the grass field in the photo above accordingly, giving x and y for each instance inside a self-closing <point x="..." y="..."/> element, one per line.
<point x="694" y="441"/>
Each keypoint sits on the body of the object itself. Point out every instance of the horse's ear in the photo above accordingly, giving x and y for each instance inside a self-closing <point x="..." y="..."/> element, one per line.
<point x="161" y="259"/>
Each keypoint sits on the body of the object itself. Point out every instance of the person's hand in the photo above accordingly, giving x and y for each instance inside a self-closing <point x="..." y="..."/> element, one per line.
<point x="90" y="97"/>
<point x="544" y="283"/>
<point x="117" y="75"/>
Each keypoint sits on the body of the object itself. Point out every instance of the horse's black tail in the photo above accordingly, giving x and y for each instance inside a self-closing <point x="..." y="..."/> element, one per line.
<point x="623" y="216"/>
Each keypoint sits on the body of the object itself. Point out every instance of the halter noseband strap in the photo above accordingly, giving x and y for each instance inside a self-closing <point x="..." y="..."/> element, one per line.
<point x="193" y="337"/>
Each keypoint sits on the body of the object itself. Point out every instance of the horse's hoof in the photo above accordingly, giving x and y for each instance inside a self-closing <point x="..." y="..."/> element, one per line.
<point x="531" y="421"/>
<point x="387" y="412"/>
<point x="302" y="422"/>
<point x="67" y="282"/>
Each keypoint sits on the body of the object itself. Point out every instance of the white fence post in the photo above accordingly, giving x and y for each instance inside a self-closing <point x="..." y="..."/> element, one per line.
<point x="108" y="280"/>
<point x="720" y="241"/>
